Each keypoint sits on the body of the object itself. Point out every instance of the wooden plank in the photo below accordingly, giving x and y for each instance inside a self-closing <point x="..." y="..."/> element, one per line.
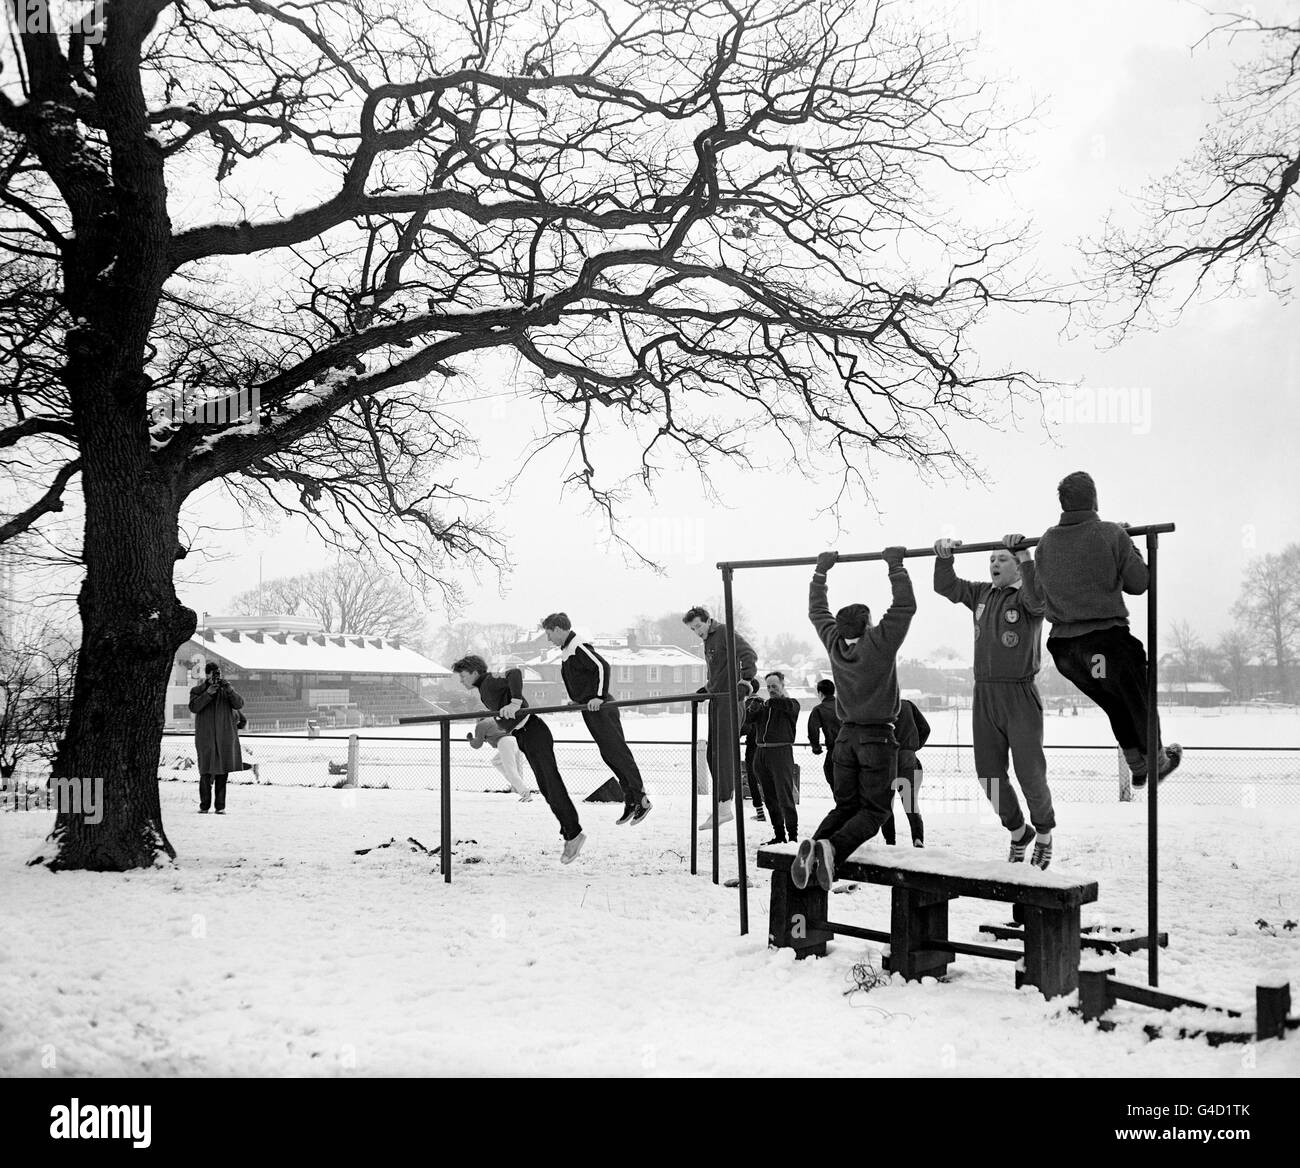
<point x="1272" y="1005"/>
<point x="951" y="886"/>
<point x="1095" y="997"/>
<point x="1144" y="996"/>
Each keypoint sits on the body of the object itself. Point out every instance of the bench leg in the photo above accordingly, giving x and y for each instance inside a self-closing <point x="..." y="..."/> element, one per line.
<point x="792" y="913"/>
<point x="916" y="918"/>
<point x="1052" y="944"/>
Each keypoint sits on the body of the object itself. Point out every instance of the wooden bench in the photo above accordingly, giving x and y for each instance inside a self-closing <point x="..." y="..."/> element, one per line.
<point x="924" y="881"/>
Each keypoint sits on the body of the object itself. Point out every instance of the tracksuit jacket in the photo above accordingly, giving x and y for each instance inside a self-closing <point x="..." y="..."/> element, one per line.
<point x="586" y="674"/>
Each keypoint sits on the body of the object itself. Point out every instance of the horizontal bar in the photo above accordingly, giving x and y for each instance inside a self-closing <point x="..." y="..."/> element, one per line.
<point x="1144" y="996"/>
<point x="566" y="709"/>
<point x="849" y="931"/>
<point x="857" y="557"/>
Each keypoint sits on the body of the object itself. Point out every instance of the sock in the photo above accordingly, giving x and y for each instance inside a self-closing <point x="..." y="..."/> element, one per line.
<point x="1017" y="836"/>
<point x="1044" y="837"/>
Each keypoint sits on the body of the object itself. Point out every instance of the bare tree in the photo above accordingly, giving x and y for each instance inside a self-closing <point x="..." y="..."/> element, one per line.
<point x="699" y="220"/>
<point x="37" y="666"/>
<point x="1269" y="609"/>
<point x="1234" y="651"/>
<point x="1231" y="207"/>
<point x="344" y="598"/>
<point x="1187" y="651"/>
<point x="786" y="647"/>
<point x="490" y="641"/>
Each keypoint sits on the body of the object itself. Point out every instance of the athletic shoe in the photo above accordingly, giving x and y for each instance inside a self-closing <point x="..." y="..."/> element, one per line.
<point x="775" y="840"/>
<point x="918" y="843"/>
<point x="801" y="869"/>
<point x="1018" y="850"/>
<point x="203" y="810"/>
<point x="725" y="815"/>
<point x="641" y="810"/>
<point x="573" y="847"/>
<point x="221" y="811"/>
<point x="525" y="797"/>
<point x="825" y="864"/>
<point x="1173" y="756"/>
<point x="1042" y="854"/>
<point x="629" y="810"/>
<point x="759" y="815"/>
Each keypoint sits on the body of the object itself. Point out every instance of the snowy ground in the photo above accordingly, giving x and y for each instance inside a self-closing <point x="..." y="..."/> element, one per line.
<point x="270" y="947"/>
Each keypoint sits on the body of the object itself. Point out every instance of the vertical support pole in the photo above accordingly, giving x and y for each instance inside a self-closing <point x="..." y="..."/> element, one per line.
<point x="354" y="760"/>
<point x="444" y="791"/>
<point x="731" y="744"/>
<point x="1153" y="766"/>
<point x="1272" y="1005"/>
<point x="695" y="774"/>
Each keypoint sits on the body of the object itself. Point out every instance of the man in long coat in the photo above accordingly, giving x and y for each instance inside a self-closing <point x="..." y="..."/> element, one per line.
<point x="213" y="703"/>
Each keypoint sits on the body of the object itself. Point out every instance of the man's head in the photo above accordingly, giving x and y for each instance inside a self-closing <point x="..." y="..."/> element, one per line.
<point x="697" y="620"/>
<point x="852" y="621"/>
<point x="826" y="687"/>
<point x="1077" y="492"/>
<point x="1004" y="568"/>
<point x="775" y="682"/>
<point x="557" y="627"/>
<point x="212" y="671"/>
<point x="470" y="670"/>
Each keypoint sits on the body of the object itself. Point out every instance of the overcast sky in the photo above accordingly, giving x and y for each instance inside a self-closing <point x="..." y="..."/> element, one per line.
<point x="1199" y="421"/>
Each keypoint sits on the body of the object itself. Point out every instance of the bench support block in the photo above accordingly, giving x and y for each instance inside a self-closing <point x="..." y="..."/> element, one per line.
<point x="917" y="918"/>
<point x="1052" y="945"/>
<point x="792" y="913"/>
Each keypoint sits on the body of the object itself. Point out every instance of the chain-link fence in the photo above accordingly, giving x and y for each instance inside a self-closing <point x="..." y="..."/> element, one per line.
<point x="1218" y="776"/>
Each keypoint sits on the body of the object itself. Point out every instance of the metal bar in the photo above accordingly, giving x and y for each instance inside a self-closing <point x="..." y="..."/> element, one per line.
<point x="695" y="798"/>
<point x="444" y="766"/>
<point x="571" y="708"/>
<point x="733" y="751"/>
<point x="857" y="557"/>
<point x="1153" y="766"/>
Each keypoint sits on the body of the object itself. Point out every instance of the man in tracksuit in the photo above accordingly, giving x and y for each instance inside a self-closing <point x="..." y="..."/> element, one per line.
<point x="505" y="696"/>
<point x="864" y="666"/>
<point x="1007" y="714"/>
<point x="586" y="680"/>
<point x="749" y="736"/>
<point x="714" y="636"/>
<point x="912" y="731"/>
<point x="824" y="722"/>
<point x="1084" y="565"/>
<point x="773" y="722"/>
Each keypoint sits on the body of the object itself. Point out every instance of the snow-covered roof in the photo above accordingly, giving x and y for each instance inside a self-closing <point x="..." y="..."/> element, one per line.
<point x="319" y="653"/>
<point x="1206" y="687"/>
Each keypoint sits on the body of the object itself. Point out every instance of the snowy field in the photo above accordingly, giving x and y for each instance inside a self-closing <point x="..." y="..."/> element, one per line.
<point x="271" y="947"/>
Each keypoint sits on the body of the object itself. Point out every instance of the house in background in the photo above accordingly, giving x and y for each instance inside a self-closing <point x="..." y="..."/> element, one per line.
<point x="636" y="671"/>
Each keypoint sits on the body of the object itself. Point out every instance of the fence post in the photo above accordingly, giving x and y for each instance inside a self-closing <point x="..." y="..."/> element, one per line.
<point x="1125" y="778"/>
<point x="695" y="772"/>
<point x="354" y="760"/>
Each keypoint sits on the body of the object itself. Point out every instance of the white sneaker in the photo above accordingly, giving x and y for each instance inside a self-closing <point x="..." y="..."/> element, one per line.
<point x="573" y="847"/>
<point x="725" y="815"/>
<point x="525" y="797"/>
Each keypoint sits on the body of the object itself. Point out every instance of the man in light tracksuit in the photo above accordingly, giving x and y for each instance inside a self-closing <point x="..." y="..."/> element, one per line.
<point x="586" y="679"/>
<point x="1008" y="712"/>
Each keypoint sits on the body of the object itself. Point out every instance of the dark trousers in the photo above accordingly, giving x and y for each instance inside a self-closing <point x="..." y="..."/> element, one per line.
<point x="866" y="764"/>
<point x="206" y="783"/>
<point x="828" y="766"/>
<point x="1110" y="667"/>
<point x="908" y="789"/>
<point x="751" y="778"/>
<point x="606" y="730"/>
<point x="774" y="766"/>
<point x="719" y="768"/>
<point x="535" y="740"/>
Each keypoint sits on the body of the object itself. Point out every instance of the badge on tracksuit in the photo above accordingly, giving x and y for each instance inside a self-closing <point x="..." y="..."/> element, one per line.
<point x="1011" y="615"/>
<point x="1010" y="639"/>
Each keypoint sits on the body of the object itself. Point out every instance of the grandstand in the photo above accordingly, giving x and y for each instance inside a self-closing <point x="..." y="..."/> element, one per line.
<point x="290" y="672"/>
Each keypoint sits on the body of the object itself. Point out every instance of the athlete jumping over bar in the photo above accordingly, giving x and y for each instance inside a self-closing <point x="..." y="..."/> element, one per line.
<point x="1084" y="564"/>
<point x="865" y="755"/>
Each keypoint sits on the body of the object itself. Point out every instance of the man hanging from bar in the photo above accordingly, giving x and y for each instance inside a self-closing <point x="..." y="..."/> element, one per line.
<point x="505" y="696"/>
<point x="714" y="636"/>
<point x="1007" y="714"/>
<point x="586" y="677"/>
<point x="1084" y="564"/>
<point x="865" y="757"/>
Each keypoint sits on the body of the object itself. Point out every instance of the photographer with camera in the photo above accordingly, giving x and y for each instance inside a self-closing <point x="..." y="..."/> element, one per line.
<point x="217" y="722"/>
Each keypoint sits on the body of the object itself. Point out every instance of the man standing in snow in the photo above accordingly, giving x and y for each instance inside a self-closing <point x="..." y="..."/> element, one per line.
<point x="214" y="704"/>
<point x="1007" y="714"/>
<point x="773" y="722"/>
<point x="824" y="723"/>
<point x="505" y="695"/>
<point x="1084" y="565"/>
<point x="586" y="680"/>
<point x="714" y="636"/>
<point x="864" y="667"/>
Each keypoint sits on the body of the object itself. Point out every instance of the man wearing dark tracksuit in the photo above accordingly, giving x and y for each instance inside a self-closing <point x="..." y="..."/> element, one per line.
<point x="1008" y="712"/>
<point x="1084" y="566"/>
<point x="714" y="636"/>
<point x="586" y="680"/>
<point x="864" y="666"/>
<point x="505" y="696"/>
<point x="912" y="731"/>
<point x="749" y="736"/>
<point x="824" y="722"/>
<point x="773" y="722"/>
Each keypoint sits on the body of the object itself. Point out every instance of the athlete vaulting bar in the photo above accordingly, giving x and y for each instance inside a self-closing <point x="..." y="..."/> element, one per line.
<point x="1152" y="532"/>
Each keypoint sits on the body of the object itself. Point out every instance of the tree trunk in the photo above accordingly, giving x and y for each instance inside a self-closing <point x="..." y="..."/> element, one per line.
<point x="132" y="625"/>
